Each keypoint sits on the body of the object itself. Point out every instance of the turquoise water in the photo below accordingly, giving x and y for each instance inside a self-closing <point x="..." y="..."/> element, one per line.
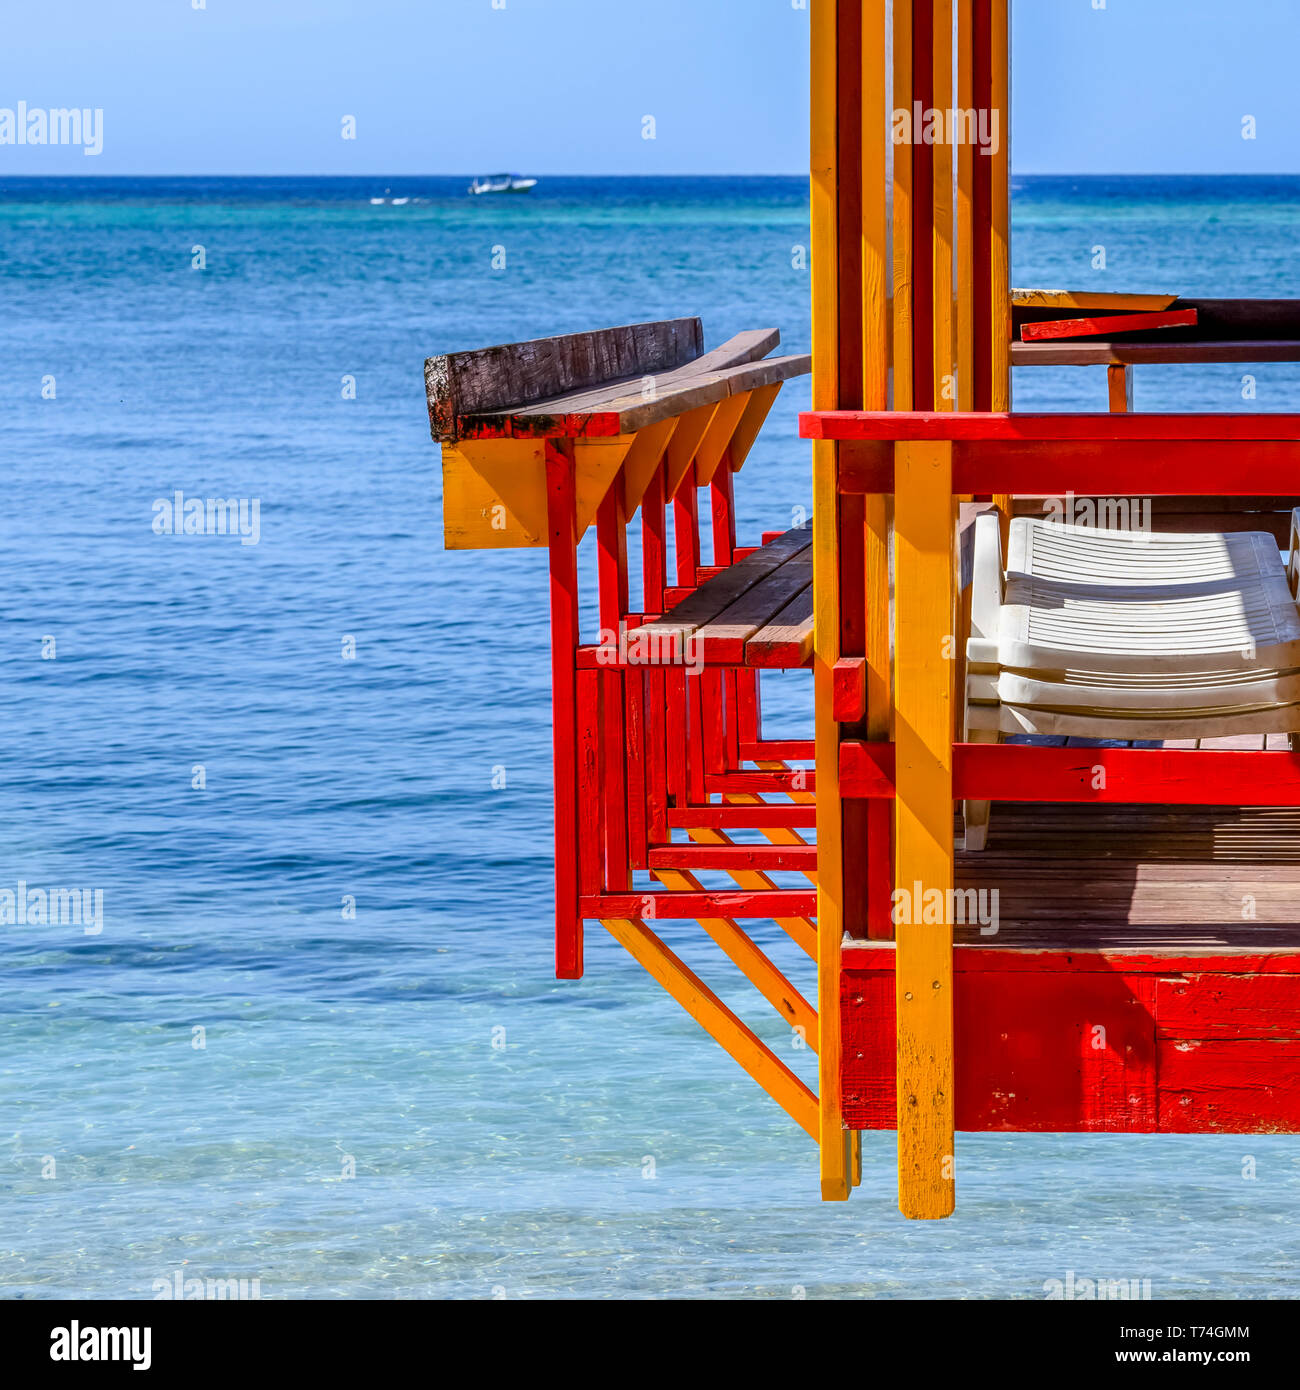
<point x="603" y="1147"/>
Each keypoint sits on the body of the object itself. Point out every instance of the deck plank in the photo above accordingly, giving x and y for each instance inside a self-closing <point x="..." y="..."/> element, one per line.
<point x="720" y="592"/>
<point x="725" y="636"/>
<point x="1135" y="875"/>
<point x="787" y="640"/>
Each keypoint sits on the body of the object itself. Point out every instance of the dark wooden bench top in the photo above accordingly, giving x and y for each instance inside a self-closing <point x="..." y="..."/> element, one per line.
<point x="615" y="381"/>
<point x="757" y="612"/>
<point x="1226" y="330"/>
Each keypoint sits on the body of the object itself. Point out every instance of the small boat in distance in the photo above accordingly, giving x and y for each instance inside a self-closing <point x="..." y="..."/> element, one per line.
<point x="503" y="183"/>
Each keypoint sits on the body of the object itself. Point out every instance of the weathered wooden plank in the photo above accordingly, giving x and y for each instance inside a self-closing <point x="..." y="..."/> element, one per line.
<point x="787" y="640"/>
<point x="744" y="349"/>
<point x="1091" y="299"/>
<point x="1102" y="354"/>
<point x="631" y="405"/>
<point x="487" y="379"/>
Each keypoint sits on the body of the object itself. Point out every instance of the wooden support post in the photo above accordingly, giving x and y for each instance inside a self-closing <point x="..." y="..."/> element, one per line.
<point x="875" y="867"/>
<point x="654" y="544"/>
<point x="562" y="539"/>
<point x="1119" y="387"/>
<point x="686" y="530"/>
<point x="924" y="531"/>
<point x="831" y="1134"/>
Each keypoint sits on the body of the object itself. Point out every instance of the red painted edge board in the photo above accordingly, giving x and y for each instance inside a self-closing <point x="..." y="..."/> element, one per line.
<point x="737" y="857"/>
<point x="1171" y="467"/>
<point x="783" y="817"/>
<point x="1111" y="323"/>
<point x="1149" y="1044"/>
<point x="920" y="425"/>
<point x="1120" y="776"/>
<point x="794" y="780"/>
<point x="793" y="749"/>
<point x="778" y="656"/>
<point x="649" y="907"/>
<point x="863" y="958"/>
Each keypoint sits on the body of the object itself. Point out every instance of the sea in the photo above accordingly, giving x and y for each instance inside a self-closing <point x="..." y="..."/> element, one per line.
<point x="311" y="1037"/>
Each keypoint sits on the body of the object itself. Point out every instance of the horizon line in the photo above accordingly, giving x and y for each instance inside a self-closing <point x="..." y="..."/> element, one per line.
<point x="769" y="174"/>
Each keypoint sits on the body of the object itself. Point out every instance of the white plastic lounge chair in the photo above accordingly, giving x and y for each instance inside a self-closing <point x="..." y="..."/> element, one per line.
<point x="1129" y="635"/>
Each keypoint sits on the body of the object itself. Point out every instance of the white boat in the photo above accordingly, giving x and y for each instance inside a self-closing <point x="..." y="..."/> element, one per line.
<point x="503" y="183"/>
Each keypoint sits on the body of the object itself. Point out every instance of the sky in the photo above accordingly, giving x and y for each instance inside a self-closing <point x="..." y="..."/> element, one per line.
<point x="565" y="86"/>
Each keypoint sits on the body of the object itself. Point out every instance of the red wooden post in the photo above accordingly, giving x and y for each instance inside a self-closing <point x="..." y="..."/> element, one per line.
<point x="561" y="534"/>
<point x="591" y="790"/>
<point x="654" y="544"/>
<point x="686" y="530"/>
<point x="638" y="793"/>
<point x="722" y="497"/>
<point x="656" y="748"/>
<point x="611" y="544"/>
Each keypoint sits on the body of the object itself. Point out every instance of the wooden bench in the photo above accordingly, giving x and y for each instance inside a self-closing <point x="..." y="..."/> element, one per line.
<point x="757" y="612"/>
<point x="542" y="440"/>
<point x="620" y="401"/>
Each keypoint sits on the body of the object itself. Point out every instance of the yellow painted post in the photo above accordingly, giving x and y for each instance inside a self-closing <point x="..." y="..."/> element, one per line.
<point x="923" y="839"/>
<point x="832" y="1136"/>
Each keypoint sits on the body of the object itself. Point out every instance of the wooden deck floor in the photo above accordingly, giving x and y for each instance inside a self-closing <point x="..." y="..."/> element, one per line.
<point x="1138" y="876"/>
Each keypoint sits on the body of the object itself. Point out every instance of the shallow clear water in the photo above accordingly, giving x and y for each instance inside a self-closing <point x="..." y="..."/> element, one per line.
<point x="335" y="1045"/>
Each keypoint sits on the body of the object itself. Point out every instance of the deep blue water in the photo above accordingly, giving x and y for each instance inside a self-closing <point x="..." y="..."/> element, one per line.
<point x="522" y="1167"/>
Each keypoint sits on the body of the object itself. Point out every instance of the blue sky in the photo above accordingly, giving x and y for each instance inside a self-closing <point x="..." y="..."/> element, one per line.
<point x="562" y="86"/>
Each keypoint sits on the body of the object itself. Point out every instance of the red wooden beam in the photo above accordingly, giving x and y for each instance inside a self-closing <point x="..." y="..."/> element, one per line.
<point x="1123" y="776"/>
<point x="971" y="425"/>
<point x="783" y="817"/>
<point x="734" y="858"/>
<point x="1108" y="324"/>
<point x="1178" y="777"/>
<point x="1118" y="468"/>
<point x="778" y="750"/>
<point x="799" y="779"/>
<point x="763" y="903"/>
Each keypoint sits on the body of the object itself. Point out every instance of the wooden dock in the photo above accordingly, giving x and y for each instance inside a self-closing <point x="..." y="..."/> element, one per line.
<point x="1124" y="955"/>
